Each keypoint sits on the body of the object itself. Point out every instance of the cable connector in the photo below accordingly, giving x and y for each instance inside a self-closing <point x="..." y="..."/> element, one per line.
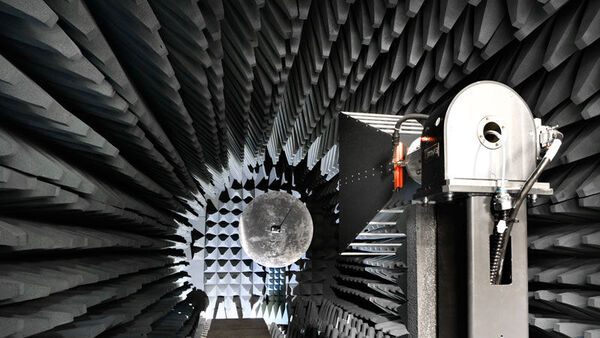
<point x="502" y="200"/>
<point x="549" y="140"/>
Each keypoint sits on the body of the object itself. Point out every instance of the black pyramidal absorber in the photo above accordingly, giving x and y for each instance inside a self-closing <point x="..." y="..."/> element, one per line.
<point x="122" y="121"/>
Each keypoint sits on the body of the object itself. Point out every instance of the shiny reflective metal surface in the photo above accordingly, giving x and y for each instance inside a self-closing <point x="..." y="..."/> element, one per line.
<point x="468" y="158"/>
<point x="276" y="229"/>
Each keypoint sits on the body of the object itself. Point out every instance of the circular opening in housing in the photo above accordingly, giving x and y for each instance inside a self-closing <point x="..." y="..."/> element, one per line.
<point x="492" y="132"/>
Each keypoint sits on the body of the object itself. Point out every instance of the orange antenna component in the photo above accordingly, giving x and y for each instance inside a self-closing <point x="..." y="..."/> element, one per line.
<point x="398" y="173"/>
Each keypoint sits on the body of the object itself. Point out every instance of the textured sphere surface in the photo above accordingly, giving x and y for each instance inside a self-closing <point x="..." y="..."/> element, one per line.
<point x="275" y="229"/>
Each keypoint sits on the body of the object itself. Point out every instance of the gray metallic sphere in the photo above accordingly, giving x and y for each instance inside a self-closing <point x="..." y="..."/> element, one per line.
<point x="275" y="229"/>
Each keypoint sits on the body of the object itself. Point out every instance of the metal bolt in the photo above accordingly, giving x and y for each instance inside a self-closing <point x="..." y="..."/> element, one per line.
<point x="534" y="198"/>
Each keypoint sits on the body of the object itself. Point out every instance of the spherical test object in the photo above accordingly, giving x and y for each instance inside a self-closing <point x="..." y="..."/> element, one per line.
<point x="275" y="229"/>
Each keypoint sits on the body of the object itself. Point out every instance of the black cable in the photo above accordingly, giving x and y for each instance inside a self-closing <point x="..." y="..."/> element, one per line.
<point x="497" y="263"/>
<point x="403" y="118"/>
